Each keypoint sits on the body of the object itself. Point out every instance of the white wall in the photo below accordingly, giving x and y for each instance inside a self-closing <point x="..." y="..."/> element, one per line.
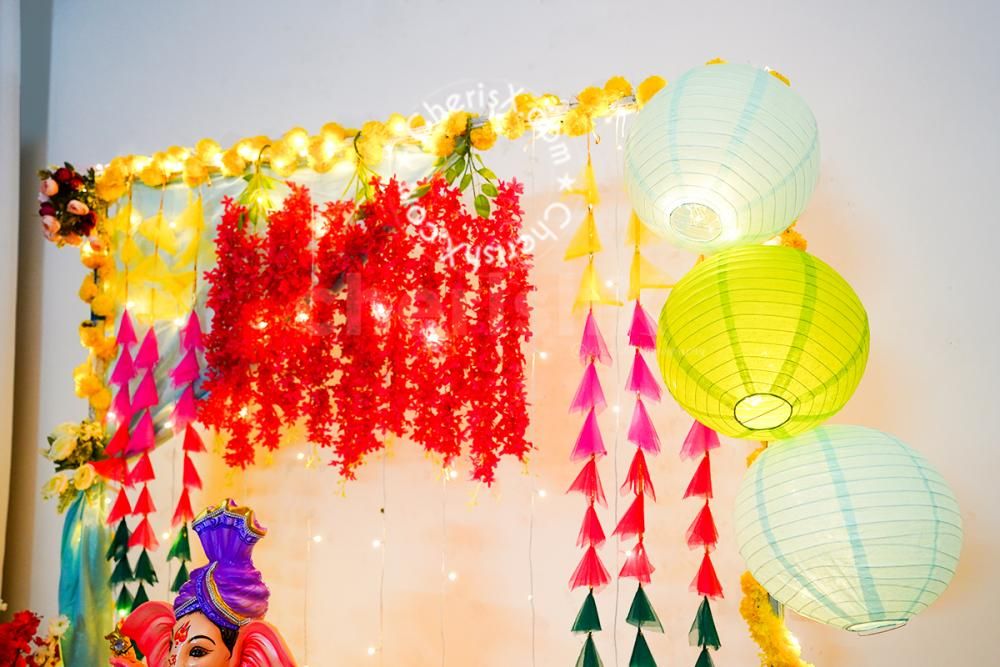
<point x="905" y="95"/>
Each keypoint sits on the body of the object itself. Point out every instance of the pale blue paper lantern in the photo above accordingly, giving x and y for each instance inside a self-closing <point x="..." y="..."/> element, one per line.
<point x="726" y="155"/>
<point x="848" y="526"/>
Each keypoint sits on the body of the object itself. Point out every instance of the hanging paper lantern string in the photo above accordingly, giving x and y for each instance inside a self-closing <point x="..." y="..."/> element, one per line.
<point x="703" y="534"/>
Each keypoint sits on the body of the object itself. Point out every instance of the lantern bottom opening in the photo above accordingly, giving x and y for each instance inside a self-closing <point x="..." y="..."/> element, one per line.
<point x="696" y="222"/>
<point x="876" y="627"/>
<point x="762" y="411"/>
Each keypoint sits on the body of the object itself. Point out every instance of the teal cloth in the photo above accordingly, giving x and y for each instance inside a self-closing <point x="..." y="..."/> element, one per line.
<point x="84" y="594"/>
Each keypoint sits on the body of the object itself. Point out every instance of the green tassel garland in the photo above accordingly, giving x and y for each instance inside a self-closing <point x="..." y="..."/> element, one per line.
<point x="588" y="620"/>
<point x="703" y="632"/>
<point x="705" y="659"/>
<point x="641" y="655"/>
<point x="144" y="569"/>
<point x="588" y="655"/>
<point x="180" y="579"/>
<point x="641" y="613"/>
<point x="181" y="548"/>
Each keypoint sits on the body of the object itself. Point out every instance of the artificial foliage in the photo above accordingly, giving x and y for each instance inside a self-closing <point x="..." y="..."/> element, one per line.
<point x="362" y="321"/>
<point x="180" y="578"/>
<point x="144" y="571"/>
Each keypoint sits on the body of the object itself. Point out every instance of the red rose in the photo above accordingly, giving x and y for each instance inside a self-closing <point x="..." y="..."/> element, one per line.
<point x="46" y="209"/>
<point x="76" y="183"/>
<point x="63" y="175"/>
<point x="87" y="223"/>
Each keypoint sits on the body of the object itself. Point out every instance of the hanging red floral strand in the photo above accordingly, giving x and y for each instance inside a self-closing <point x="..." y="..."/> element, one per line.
<point x="392" y="317"/>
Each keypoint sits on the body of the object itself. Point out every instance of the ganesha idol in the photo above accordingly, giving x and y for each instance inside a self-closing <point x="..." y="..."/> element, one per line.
<point x="217" y="618"/>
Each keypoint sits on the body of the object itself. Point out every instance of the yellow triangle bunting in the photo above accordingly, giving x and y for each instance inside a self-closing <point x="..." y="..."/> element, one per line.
<point x="593" y="290"/>
<point x="586" y="240"/>
<point x="645" y="275"/>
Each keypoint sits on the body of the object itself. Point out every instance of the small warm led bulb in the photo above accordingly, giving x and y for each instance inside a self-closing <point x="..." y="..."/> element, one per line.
<point x="376" y="543"/>
<point x="372" y="650"/>
<point x="300" y="456"/>
<point x="453" y="576"/>
<point x="453" y="473"/>
<point x="543" y="355"/>
<point x="317" y="538"/>
<point x="542" y="493"/>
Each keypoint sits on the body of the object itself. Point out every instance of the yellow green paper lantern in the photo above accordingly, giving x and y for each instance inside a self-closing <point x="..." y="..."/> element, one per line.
<point x="762" y="342"/>
<point x="726" y="155"/>
<point x="848" y="526"/>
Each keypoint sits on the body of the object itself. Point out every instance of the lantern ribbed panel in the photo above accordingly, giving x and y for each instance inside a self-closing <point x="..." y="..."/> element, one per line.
<point x="762" y="342"/>
<point x="848" y="526"/>
<point x="734" y="142"/>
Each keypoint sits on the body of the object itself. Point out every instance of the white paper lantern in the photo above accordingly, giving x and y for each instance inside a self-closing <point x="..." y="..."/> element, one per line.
<point x="726" y="155"/>
<point x="848" y="526"/>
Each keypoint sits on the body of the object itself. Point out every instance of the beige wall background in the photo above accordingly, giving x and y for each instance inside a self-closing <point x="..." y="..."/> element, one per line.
<point x="905" y="95"/>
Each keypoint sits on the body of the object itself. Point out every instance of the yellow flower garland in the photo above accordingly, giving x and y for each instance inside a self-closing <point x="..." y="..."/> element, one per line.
<point x="777" y="646"/>
<point x="335" y="143"/>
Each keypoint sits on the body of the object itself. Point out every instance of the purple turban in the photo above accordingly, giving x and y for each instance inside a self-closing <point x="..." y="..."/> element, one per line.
<point x="229" y="590"/>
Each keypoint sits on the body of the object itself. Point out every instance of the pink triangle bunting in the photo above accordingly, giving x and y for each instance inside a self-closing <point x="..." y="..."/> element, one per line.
<point x="183" y="513"/>
<point x="119" y="441"/>
<point x="186" y="409"/>
<point x="145" y="395"/>
<point x="642" y="331"/>
<point x="141" y="472"/>
<point x="144" y="504"/>
<point x="589" y="442"/>
<point x="641" y="431"/>
<point x="593" y="346"/>
<point x="187" y="371"/>
<point x="149" y="352"/>
<point x="633" y="522"/>
<point x="591" y="532"/>
<point x="191" y="334"/>
<point x="143" y="437"/>
<point x="638" y="481"/>
<point x="700" y="439"/>
<point x="590" y="573"/>
<point x="121" y="408"/>
<point x="126" y="332"/>
<point x="589" y="395"/>
<point x="124" y="370"/>
<point x="641" y="380"/>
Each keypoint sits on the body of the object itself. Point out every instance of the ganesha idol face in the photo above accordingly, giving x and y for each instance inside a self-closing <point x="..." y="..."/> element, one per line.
<point x="197" y="642"/>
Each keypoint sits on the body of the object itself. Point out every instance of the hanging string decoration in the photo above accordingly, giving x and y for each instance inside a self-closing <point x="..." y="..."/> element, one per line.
<point x="762" y="342"/>
<point x="848" y="526"/>
<point x="703" y="535"/>
<point x="727" y="155"/>
<point x="641" y="433"/>
<point x="363" y="321"/>
<point x="589" y="400"/>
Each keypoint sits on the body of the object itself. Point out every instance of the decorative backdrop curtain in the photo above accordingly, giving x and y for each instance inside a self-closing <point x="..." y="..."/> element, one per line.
<point x="10" y="93"/>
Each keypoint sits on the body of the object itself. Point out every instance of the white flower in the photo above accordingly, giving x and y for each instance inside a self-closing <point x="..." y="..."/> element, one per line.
<point x="55" y="486"/>
<point x="3" y="606"/>
<point x="42" y="653"/>
<point x="63" y="446"/>
<point x="58" y="626"/>
<point x="84" y="477"/>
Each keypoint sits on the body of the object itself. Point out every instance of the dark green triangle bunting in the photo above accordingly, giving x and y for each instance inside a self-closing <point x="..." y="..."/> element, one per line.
<point x="641" y="613"/>
<point x="588" y="654"/>
<point x="121" y="573"/>
<point x="705" y="659"/>
<point x="588" y="620"/>
<point x="181" y="548"/>
<point x="124" y="603"/>
<point x="119" y="543"/>
<point x="703" y="632"/>
<point x="144" y="569"/>
<point x="641" y="655"/>
<point x="180" y="579"/>
<point x="140" y="597"/>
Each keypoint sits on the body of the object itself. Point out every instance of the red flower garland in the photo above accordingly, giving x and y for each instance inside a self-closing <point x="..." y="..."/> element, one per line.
<point x="394" y="317"/>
